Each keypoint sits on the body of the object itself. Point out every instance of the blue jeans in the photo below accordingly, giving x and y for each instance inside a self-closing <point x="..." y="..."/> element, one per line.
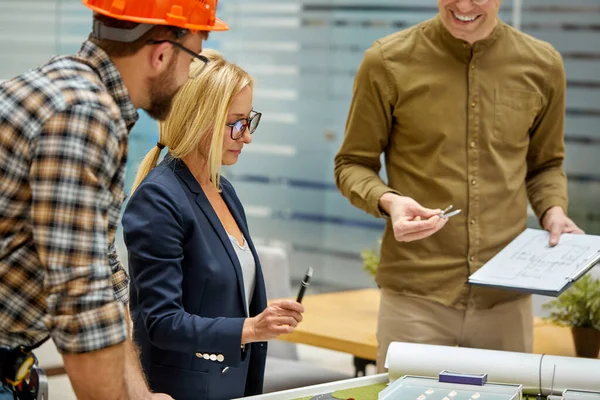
<point x="5" y="393"/>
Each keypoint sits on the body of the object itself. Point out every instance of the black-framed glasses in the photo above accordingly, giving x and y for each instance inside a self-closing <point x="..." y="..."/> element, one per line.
<point x="238" y="128"/>
<point x="199" y="57"/>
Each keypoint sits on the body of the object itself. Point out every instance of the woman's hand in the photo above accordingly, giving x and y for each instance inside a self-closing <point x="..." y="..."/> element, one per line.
<point x="279" y="318"/>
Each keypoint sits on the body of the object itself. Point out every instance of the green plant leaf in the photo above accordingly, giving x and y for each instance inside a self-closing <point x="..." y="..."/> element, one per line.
<point x="370" y="259"/>
<point x="579" y="306"/>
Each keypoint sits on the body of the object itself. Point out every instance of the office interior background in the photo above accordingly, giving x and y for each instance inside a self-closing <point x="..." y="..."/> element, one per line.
<point x="304" y="55"/>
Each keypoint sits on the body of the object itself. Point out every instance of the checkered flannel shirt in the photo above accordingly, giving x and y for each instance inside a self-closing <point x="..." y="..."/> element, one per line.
<point x="63" y="149"/>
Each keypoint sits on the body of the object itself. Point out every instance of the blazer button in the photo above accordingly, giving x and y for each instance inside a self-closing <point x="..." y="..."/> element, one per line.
<point x="220" y="358"/>
<point x="199" y="355"/>
<point x="224" y="370"/>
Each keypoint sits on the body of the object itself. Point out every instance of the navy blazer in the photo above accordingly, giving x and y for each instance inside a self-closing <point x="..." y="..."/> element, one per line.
<point x="187" y="292"/>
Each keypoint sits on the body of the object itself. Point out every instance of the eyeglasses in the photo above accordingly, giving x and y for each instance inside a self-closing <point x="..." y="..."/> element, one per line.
<point x="199" y="57"/>
<point x="238" y="128"/>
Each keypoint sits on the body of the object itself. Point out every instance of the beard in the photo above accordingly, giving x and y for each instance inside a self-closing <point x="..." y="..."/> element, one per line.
<point x="162" y="92"/>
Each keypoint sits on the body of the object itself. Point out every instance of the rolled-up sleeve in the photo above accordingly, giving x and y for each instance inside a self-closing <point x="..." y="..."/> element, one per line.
<point x="72" y="167"/>
<point x="120" y="279"/>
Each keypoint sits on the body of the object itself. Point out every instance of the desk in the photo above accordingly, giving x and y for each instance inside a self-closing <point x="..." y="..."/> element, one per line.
<point x="347" y="322"/>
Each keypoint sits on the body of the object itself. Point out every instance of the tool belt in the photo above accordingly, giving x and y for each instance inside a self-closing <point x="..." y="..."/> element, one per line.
<point x="20" y="373"/>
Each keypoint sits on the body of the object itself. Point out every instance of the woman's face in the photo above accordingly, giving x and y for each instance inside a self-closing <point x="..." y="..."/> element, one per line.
<point x="237" y="120"/>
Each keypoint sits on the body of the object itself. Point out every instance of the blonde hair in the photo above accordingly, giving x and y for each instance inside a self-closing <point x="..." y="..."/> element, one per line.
<point x="199" y="109"/>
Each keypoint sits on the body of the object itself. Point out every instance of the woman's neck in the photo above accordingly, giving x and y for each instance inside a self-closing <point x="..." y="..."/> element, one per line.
<point x="198" y="167"/>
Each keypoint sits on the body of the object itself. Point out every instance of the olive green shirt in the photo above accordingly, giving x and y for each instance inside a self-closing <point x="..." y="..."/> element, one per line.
<point x="477" y="126"/>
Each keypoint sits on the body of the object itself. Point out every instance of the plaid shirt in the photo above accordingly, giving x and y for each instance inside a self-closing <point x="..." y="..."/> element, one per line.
<point x="63" y="149"/>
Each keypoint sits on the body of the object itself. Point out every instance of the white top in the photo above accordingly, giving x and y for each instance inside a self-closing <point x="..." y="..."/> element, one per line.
<point x="246" y="259"/>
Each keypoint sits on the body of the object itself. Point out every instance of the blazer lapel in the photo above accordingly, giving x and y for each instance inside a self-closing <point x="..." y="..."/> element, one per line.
<point x="260" y="293"/>
<point x="216" y="224"/>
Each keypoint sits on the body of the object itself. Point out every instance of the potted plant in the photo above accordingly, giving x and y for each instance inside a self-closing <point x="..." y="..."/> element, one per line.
<point x="579" y="308"/>
<point x="370" y="259"/>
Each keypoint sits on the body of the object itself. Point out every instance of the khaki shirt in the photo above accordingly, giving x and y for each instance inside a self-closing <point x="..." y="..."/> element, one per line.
<point x="478" y="126"/>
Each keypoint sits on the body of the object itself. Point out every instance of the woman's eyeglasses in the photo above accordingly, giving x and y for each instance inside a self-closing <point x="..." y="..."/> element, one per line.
<point x="238" y="128"/>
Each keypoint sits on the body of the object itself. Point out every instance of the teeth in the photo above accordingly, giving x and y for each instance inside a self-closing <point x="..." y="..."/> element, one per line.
<point x="464" y="18"/>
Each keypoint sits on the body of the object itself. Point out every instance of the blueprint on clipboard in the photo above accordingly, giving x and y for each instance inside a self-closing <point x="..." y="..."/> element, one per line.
<point x="529" y="264"/>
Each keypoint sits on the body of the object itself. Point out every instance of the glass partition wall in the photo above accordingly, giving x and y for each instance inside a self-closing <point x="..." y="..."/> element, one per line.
<point x="304" y="54"/>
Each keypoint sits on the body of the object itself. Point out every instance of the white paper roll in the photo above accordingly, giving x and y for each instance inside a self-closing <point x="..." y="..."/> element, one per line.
<point x="500" y="366"/>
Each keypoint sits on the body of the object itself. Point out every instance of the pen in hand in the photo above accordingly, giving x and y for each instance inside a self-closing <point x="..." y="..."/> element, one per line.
<point x="305" y="283"/>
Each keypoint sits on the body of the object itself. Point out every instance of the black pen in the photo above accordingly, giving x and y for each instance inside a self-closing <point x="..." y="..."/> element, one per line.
<point x="305" y="283"/>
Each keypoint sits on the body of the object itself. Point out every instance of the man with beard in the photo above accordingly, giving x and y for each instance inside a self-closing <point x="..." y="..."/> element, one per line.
<point x="63" y="150"/>
<point x="469" y="112"/>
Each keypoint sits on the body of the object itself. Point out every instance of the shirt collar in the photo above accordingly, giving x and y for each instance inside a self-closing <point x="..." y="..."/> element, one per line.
<point x="111" y="77"/>
<point x="459" y="47"/>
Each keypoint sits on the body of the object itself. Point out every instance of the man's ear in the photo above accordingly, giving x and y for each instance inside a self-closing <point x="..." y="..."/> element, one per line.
<point x="160" y="56"/>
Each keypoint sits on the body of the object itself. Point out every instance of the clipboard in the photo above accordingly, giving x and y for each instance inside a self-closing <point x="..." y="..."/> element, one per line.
<point x="528" y="264"/>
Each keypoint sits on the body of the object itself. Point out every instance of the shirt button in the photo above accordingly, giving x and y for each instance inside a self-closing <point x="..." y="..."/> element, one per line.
<point x="473" y="221"/>
<point x="472" y="258"/>
<point x="472" y="66"/>
<point x="472" y="145"/>
<point x="473" y="104"/>
<point x="474" y="182"/>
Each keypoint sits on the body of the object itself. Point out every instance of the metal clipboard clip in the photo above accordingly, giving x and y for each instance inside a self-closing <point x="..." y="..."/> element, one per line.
<point x="588" y="263"/>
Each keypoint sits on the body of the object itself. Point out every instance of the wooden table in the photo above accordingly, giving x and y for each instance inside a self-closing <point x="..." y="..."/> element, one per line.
<point x="342" y="321"/>
<point x="347" y="322"/>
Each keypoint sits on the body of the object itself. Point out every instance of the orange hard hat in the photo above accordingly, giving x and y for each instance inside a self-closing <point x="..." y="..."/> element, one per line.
<point x="193" y="15"/>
